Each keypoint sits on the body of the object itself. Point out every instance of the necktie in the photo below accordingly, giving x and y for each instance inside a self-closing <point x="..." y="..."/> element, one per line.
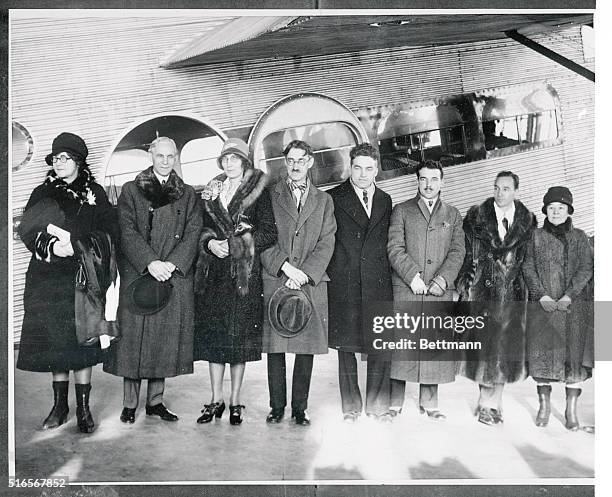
<point x="298" y="189"/>
<point x="365" y="198"/>
<point x="431" y="203"/>
<point x="163" y="182"/>
<point x="505" y="225"/>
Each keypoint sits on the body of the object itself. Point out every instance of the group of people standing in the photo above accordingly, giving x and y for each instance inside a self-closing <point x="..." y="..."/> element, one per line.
<point x="248" y="268"/>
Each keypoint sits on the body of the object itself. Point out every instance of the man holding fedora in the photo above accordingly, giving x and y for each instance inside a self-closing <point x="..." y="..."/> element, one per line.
<point x="295" y="282"/>
<point x="160" y="224"/>
<point x="360" y="274"/>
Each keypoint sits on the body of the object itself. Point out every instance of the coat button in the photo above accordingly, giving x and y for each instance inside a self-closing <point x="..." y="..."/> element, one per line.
<point x="151" y="209"/>
<point x="176" y="236"/>
<point x="429" y="261"/>
<point x="490" y="255"/>
<point x="295" y="259"/>
<point x="358" y="235"/>
<point x="488" y="283"/>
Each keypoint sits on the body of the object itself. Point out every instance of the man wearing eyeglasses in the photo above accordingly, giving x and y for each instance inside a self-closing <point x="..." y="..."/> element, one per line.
<point x="306" y="230"/>
<point x="426" y="248"/>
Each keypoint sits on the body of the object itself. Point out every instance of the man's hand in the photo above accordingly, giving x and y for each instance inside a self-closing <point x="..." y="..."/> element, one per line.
<point x="548" y="304"/>
<point x="63" y="249"/>
<point x="297" y="275"/>
<point x="563" y="303"/>
<point x="219" y="247"/>
<point x="159" y="270"/>
<point x="417" y="285"/>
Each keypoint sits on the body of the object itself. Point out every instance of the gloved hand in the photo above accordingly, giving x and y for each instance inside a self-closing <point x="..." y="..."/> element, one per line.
<point x="548" y="304"/>
<point x="417" y="285"/>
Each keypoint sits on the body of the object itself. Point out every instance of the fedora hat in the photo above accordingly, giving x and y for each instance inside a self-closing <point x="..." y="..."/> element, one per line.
<point x="146" y="295"/>
<point x="289" y="311"/>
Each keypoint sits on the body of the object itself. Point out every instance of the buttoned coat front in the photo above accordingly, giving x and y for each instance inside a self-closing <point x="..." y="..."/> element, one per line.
<point x="359" y="269"/>
<point x="159" y="345"/>
<point x="430" y="244"/>
<point x="305" y="240"/>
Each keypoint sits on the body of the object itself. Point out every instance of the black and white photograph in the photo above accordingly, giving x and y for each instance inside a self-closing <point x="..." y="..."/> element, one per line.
<point x="334" y="248"/>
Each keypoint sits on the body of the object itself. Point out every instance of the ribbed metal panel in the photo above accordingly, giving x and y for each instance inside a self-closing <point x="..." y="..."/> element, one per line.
<point x="103" y="74"/>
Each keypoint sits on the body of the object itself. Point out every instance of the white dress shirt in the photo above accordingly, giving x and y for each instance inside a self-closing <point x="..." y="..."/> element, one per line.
<point x="370" y="191"/>
<point x="508" y="214"/>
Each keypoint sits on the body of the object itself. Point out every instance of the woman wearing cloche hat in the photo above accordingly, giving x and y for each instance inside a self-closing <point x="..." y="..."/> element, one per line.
<point x="69" y="199"/>
<point x="238" y="225"/>
<point x="558" y="268"/>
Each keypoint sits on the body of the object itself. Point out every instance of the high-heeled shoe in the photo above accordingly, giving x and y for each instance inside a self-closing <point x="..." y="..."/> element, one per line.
<point x="210" y="411"/>
<point x="59" y="412"/>
<point x="236" y="414"/>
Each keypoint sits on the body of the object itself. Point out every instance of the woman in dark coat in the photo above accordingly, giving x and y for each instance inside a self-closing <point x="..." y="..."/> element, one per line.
<point x="48" y="335"/>
<point x="557" y="269"/>
<point x="238" y="225"/>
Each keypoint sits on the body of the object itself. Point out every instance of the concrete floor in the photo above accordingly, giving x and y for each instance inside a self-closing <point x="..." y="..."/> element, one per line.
<point x="411" y="448"/>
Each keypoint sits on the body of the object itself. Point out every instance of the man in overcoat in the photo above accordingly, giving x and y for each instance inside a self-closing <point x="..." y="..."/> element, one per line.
<point x="360" y="274"/>
<point x="160" y="225"/>
<point x="299" y="259"/>
<point x="426" y="248"/>
<point x="497" y="234"/>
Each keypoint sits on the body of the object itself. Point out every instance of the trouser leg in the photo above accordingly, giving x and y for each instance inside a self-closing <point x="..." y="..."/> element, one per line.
<point x="131" y="392"/>
<point x="428" y="396"/>
<point x="398" y="393"/>
<point x="349" y="383"/>
<point x="277" y="381"/>
<point x="378" y="385"/>
<point x="491" y="396"/>
<point x="155" y="391"/>
<point x="302" y="373"/>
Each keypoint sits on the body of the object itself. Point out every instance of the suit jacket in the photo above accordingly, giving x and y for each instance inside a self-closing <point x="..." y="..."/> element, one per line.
<point x="306" y="240"/>
<point x="359" y="269"/>
<point x="430" y="244"/>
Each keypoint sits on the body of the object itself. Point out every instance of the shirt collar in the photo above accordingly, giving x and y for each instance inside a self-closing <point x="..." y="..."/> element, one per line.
<point x="508" y="213"/>
<point x="161" y="178"/>
<point x="359" y="191"/>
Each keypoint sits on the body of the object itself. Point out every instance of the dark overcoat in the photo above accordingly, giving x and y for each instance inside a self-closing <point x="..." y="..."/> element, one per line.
<point x="359" y="269"/>
<point x="559" y="343"/>
<point x="229" y="300"/>
<point x="157" y="223"/>
<point x="48" y="334"/>
<point x="491" y="280"/>
<point x="430" y="244"/>
<point x="306" y="240"/>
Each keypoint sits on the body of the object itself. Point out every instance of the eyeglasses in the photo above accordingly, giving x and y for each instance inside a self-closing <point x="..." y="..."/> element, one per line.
<point x="230" y="158"/>
<point x="62" y="159"/>
<point x="300" y="162"/>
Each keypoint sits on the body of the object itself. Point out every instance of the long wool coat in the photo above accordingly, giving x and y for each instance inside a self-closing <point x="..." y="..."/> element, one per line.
<point x="48" y="334"/>
<point x="359" y="269"/>
<point x="432" y="245"/>
<point x="157" y="223"/>
<point x="306" y="240"/>
<point x="229" y="301"/>
<point x="559" y="344"/>
<point x="491" y="279"/>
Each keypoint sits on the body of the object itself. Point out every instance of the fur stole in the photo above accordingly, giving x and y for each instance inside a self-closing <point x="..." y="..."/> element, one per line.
<point x="157" y="194"/>
<point x="79" y="190"/>
<point x="231" y="224"/>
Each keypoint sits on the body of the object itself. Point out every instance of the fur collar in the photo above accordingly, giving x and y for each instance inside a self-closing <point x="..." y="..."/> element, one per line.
<point x="251" y="187"/>
<point x="153" y="191"/>
<point x="80" y="189"/>
<point x="481" y="222"/>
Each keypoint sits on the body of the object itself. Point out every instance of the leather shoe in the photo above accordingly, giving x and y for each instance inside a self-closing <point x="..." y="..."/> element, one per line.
<point x="432" y="413"/>
<point x="210" y="411"/>
<point x="301" y="418"/>
<point x="275" y="416"/>
<point x="395" y="412"/>
<point x="236" y="414"/>
<point x="489" y="416"/>
<point x="128" y="415"/>
<point x="161" y="411"/>
<point x="386" y="417"/>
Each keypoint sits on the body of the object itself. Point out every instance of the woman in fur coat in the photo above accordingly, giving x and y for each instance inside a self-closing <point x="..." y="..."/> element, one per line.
<point x="74" y="202"/>
<point x="558" y="268"/>
<point x="238" y="225"/>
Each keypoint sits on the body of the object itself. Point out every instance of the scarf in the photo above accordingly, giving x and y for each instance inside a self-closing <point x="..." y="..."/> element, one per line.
<point x="79" y="190"/>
